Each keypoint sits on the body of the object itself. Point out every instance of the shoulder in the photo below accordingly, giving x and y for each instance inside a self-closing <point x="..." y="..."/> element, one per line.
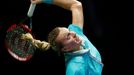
<point x="75" y="66"/>
<point x="76" y="69"/>
<point x="75" y="28"/>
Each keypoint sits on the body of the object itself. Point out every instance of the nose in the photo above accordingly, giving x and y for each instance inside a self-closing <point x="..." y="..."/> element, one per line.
<point x="73" y="34"/>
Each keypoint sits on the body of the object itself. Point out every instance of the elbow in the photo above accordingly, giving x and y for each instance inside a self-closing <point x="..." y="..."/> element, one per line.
<point x="76" y="5"/>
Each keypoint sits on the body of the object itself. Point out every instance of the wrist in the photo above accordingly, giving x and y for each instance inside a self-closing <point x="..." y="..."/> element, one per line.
<point x="48" y="1"/>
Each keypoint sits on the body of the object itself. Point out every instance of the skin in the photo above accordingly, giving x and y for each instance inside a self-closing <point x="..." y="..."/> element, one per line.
<point x="70" y="41"/>
<point x="73" y="5"/>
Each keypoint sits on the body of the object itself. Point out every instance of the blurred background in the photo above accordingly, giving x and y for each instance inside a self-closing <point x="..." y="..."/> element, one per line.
<point x="107" y="24"/>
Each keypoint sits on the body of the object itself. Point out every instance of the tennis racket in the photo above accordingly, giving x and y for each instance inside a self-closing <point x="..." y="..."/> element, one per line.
<point x="20" y="49"/>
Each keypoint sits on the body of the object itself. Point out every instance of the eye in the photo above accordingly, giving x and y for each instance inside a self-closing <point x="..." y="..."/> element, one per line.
<point x="68" y="36"/>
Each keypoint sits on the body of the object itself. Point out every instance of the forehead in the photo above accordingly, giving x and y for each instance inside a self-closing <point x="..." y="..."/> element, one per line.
<point x="62" y="33"/>
<point x="63" y="30"/>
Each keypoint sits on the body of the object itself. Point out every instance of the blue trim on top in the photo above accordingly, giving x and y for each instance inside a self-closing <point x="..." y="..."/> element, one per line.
<point x="48" y="1"/>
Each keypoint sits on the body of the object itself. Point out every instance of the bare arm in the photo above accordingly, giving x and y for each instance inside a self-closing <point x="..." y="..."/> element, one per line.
<point x="77" y="14"/>
<point x="73" y="5"/>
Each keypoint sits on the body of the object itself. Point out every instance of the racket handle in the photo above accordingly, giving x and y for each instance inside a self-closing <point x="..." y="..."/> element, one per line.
<point x="31" y="10"/>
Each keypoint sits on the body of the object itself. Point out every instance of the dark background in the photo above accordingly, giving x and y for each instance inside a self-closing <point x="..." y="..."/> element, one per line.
<point x="108" y="25"/>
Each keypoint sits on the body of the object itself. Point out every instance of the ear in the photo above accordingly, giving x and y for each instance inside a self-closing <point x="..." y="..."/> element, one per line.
<point x="63" y="49"/>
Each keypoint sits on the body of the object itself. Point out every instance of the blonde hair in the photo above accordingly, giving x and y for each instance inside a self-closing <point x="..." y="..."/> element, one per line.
<point x="52" y="39"/>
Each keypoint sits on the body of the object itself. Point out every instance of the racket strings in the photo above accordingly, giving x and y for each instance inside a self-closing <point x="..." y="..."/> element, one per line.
<point x="22" y="48"/>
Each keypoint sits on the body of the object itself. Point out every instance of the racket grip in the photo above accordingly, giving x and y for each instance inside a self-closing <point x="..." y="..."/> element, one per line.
<point x="31" y="10"/>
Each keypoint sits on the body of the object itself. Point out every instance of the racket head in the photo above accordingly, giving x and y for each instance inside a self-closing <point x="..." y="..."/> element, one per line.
<point x="20" y="49"/>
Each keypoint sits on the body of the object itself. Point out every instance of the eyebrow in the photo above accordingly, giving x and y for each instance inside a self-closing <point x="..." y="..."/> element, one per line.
<point x="66" y="34"/>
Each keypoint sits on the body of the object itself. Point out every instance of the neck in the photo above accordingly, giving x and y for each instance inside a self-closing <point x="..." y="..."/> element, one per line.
<point x="79" y="48"/>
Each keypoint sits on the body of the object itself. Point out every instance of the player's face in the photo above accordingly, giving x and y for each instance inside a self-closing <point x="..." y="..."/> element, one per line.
<point x="68" y="39"/>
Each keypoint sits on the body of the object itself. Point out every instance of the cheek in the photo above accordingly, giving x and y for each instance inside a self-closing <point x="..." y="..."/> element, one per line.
<point x="72" y="44"/>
